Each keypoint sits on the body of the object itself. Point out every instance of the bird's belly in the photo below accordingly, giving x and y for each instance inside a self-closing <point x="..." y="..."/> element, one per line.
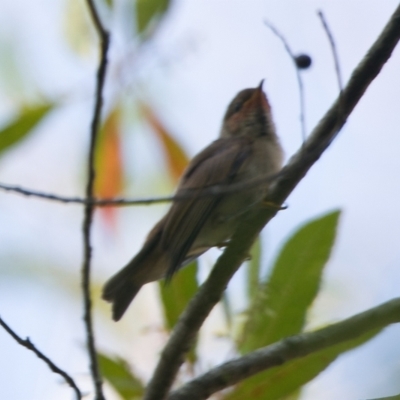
<point x="234" y="207"/>
<point x="223" y="223"/>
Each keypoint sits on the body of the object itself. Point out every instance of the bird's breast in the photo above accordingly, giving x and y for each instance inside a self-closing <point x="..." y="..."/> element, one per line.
<point x="251" y="181"/>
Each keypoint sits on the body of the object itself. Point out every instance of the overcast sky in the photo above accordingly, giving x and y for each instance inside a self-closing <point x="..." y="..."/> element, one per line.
<point x="206" y="51"/>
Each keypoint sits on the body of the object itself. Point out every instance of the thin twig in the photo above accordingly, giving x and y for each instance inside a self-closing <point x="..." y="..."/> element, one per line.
<point x="335" y="56"/>
<point x="298" y="74"/>
<point x="334" y="50"/>
<point x="116" y="202"/>
<point x="89" y="208"/>
<point x="322" y="136"/>
<point x="287" y="349"/>
<point x="30" y="346"/>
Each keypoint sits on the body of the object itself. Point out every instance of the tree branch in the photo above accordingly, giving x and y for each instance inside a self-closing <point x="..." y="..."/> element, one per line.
<point x="89" y="208"/>
<point x="288" y="349"/>
<point x="322" y="136"/>
<point x="30" y="346"/>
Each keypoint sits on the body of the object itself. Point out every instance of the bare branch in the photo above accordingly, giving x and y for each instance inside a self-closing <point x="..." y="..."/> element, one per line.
<point x="81" y="200"/>
<point x="299" y="80"/>
<point x="30" y="346"/>
<point x="288" y="349"/>
<point x="334" y="50"/>
<point x="336" y="61"/>
<point x="89" y="208"/>
<point x="322" y="136"/>
<point x="117" y="202"/>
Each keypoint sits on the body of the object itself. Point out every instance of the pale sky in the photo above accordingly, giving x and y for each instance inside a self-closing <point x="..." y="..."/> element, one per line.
<point x="205" y="53"/>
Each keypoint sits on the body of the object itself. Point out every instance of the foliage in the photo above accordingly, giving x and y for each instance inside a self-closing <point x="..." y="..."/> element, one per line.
<point x="148" y="11"/>
<point x="278" y="308"/>
<point x="23" y="125"/>
<point x="109" y="164"/>
<point x="120" y="377"/>
<point x="176" y="158"/>
<point x="281" y="304"/>
<point x="176" y="294"/>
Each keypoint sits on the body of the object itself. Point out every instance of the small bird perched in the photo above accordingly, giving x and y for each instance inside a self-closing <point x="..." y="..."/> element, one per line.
<point x="248" y="149"/>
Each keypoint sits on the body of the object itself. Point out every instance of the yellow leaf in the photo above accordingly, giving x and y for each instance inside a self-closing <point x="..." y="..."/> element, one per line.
<point x="109" y="165"/>
<point x="176" y="157"/>
<point x="78" y="28"/>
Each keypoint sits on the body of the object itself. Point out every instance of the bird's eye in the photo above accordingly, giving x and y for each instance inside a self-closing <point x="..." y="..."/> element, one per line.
<point x="237" y="107"/>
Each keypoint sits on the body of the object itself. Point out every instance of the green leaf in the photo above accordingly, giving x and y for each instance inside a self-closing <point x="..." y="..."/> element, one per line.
<point x="120" y="377"/>
<point x="279" y="382"/>
<point x="292" y="396"/>
<point x="397" y="397"/>
<point x="280" y="307"/>
<point x="147" y="10"/>
<point x="227" y="309"/>
<point x="176" y="294"/>
<point x="22" y="125"/>
<point x="253" y="270"/>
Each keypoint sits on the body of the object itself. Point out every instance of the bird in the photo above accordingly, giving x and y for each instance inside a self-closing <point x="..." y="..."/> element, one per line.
<point x="248" y="149"/>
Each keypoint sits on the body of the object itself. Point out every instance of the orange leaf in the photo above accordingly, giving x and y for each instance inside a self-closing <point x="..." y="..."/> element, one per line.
<point x="109" y="166"/>
<point x="176" y="157"/>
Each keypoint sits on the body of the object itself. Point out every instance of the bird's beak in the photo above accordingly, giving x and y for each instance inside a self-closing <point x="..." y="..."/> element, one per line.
<point x="260" y="95"/>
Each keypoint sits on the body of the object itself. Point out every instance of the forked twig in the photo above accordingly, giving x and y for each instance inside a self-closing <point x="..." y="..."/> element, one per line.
<point x="30" y="346"/>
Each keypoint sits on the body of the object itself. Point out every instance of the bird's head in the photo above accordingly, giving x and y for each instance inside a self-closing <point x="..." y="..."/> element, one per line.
<point x="248" y="114"/>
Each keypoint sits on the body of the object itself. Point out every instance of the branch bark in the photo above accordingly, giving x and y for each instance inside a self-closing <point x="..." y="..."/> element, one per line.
<point x="89" y="208"/>
<point x="322" y="136"/>
<point x="288" y="349"/>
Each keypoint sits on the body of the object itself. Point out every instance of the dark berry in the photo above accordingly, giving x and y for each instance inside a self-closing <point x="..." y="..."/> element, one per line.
<point x="303" y="61"/>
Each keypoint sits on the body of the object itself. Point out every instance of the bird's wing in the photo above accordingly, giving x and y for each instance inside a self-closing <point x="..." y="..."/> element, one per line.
<point x="217" y="164"/>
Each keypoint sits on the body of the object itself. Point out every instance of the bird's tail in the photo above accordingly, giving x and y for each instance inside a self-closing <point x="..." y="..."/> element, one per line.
<point x="121" y="289"/>
<point x="146" y="267"/>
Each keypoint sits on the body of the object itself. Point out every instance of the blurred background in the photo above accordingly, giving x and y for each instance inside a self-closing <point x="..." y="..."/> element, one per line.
<point x="168" y="84"/>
